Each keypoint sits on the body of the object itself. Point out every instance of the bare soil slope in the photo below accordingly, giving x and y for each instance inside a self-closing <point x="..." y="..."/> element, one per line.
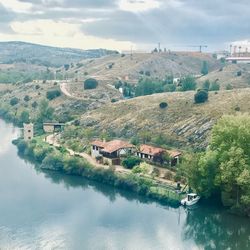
<point x="183" y="122"/>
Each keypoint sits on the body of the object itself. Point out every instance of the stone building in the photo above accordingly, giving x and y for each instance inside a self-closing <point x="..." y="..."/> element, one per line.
<point x="28" y="131"/>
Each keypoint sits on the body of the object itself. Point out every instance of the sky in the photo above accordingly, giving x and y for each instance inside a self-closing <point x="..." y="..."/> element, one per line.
<point x="126" y="24"/>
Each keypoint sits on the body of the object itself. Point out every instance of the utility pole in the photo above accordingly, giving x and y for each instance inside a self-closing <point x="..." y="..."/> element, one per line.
<point x="159" y="47"/>
<point x="131" y="52"/>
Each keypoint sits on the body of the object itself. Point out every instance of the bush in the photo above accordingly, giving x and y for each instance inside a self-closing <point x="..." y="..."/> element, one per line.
<point x="130" y="162"/>
<point x="201" y="96"/>
<point x="188" y="83"/>
<point x="26" y="98"/>
<point x="52" y="94"/>
<point x="239" y="73"/>
<point x="14" y="101"/>
<point x="206" y="85"/>
<point x="229" y="86"/>
<point x="34" y="104"/>
<point x="215" y="86"/>
<point x="90" y="83"/>
<point x="163" y="105"/>
<point x="169" y="88"/>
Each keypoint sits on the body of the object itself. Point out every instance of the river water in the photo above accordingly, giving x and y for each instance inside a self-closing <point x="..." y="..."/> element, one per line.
<point x="47" y="210"/>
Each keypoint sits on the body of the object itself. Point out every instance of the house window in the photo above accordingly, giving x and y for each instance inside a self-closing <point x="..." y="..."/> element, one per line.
<point x="29" y="131"/>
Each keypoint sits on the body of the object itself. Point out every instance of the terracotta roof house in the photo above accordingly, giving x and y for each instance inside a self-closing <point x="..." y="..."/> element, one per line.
<point x="111" y="151"/>
<point x="156" y="154"/>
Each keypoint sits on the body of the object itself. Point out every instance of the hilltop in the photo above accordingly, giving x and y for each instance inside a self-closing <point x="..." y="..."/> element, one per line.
<point x="21" y="52"/>
<point x="131" y="68"/>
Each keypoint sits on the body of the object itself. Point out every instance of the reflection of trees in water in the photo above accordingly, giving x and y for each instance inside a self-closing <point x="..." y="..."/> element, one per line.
<point x="216" y="229"/>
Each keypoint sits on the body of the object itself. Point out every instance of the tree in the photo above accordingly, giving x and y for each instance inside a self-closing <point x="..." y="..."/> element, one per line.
<point x="90" y="83"/>
<point x="204" y="68"/>
<point x="201" y="96"/>
<point x="45" y="112"/>
<point x="24" y="117"/>
<point x="52" y="94"/>
<point x="188" y="83"/>
<point x="14" y="101"/>
<point x="224" y="169"/>
<point x="130" y="162"/>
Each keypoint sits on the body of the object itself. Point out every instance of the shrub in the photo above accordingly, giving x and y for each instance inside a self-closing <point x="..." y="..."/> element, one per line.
<point x="52" y="94"/>
<point x="215" y="86"/>
<point x="206" y="85"/>
<point x="201" y="96"/>
<point x="34" y="104"/>
<point x="26" y="98"/>
<point x="14" y="101"/>
<point x="37" y="87"/>
<point x="229" y="86"/>
<point x="163" y="105"/>
<point x="239" y="73"/>
<point x="90" y="83"/>
<point x="169" y="88"/>
<point x="147" y="73"/>
<point x="130" y="162"/>
<point x="188" y="83"/>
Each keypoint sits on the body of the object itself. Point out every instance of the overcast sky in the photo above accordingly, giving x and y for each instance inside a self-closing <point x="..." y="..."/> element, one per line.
<point x="120" y="24"/>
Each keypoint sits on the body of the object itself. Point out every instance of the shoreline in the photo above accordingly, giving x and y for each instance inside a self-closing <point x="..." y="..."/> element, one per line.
<point x="48" y="157"/>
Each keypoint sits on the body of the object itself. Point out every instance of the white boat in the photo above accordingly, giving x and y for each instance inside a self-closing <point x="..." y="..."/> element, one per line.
<point x="190" y="200"/>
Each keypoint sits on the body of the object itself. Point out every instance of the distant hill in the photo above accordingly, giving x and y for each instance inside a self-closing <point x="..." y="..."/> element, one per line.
<point x="131" y="68"/>
<point x="236" y="75"/>
<point x="21" y="52"/>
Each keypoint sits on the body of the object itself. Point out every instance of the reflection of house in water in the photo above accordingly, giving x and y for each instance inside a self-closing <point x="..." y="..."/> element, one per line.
<point x="28" y="131"/>
<point x="155" y="154"/>
<point x="111" y="151"/>
<point x="51" y="127"/>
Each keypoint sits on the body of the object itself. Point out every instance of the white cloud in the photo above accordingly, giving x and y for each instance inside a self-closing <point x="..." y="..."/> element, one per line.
<point x="16" y="6"/>
<point x="60" y="33"/>
<point x="138" y="5"/>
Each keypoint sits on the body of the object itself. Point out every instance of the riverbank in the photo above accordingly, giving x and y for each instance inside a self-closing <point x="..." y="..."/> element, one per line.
<point x="58" y="159"/>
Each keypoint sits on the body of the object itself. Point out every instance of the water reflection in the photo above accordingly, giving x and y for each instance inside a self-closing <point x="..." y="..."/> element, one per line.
<point x="213" y="228"/>
<point x="49" y="210"/>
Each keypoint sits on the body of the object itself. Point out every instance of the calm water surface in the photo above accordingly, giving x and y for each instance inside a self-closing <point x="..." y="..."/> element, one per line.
<point x="46" y="210"/>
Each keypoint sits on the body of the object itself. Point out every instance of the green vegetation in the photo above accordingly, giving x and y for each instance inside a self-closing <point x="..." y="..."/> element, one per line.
<point x="188" y="83"/>
<point x="57" y="159"/>
<point x="130" y="162"/>
<point x="163" y="105"/>
<point x="215" y="86"/>
<point x="52" y="94"/>
<point x="201" y="96"/>
<point x="224" y="169"/>
<point x="14" y="101"/>
<point x="90" y="83"/>
<point x="204" y="69"/>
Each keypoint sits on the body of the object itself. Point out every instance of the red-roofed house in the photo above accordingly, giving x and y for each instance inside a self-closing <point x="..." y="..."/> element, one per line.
<point x="155" y="154"/>
<point x="111" y="151"/>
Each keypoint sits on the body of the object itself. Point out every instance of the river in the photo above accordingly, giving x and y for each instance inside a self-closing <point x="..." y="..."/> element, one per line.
<point x="48" y="210"/>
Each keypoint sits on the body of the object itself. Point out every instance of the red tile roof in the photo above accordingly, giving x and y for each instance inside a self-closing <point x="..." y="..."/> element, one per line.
<point x="112" y="146"/>
<point x="100" y="144"/>
<point x="151" y="150"/>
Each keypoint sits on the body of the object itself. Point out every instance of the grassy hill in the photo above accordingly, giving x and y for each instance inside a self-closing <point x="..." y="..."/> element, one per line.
<point x="237" y="75"/>
<point x="21" y="52"/>
<point x="132" y="68"/>
<point x="182" y="123"/>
